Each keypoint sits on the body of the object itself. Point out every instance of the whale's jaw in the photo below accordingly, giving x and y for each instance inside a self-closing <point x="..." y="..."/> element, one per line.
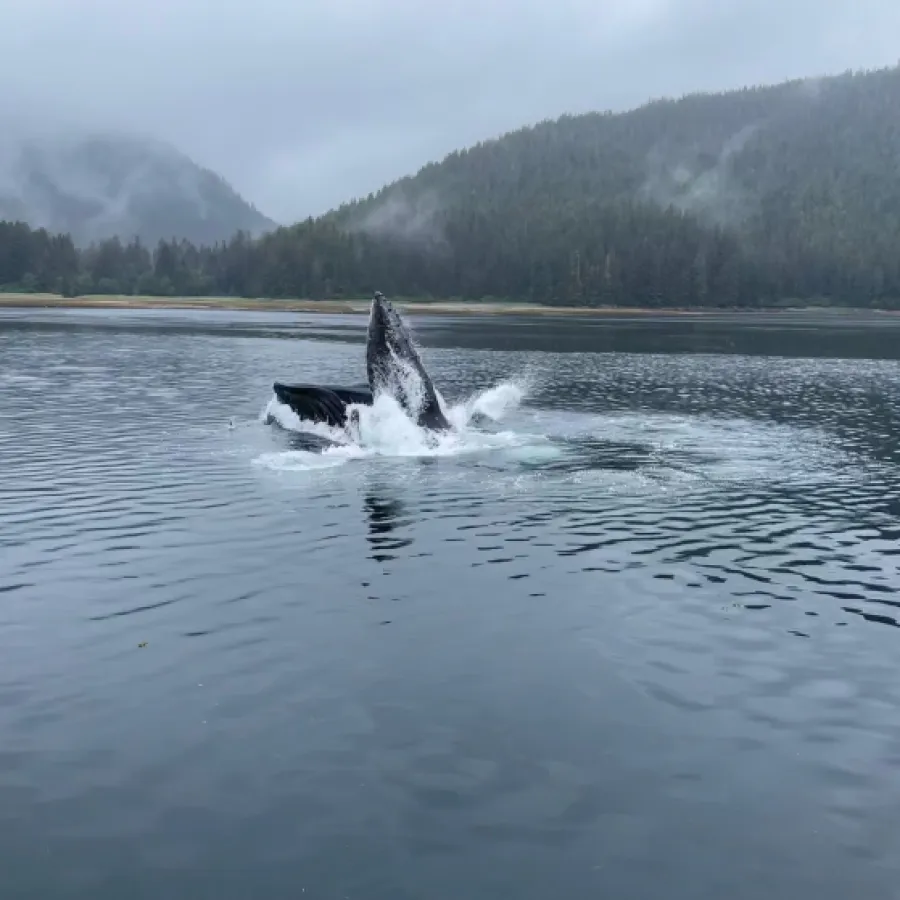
<point x="393" y="367"/>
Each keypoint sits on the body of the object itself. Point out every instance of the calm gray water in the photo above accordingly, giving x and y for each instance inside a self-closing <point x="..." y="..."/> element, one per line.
<point x="639" y="640"/>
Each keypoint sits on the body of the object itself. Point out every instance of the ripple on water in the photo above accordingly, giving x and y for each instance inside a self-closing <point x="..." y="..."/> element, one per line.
<point x="650" y="604"/>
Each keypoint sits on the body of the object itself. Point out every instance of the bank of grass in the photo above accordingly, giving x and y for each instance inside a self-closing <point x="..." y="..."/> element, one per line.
<point x="414" y="305"/>
<point x="361" y="305"/>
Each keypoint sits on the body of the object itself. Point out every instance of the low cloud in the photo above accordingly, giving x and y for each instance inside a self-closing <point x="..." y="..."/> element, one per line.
<point x="405" y="219"/>
<point x="695" y="181"/>
<point x="302" y="106"/>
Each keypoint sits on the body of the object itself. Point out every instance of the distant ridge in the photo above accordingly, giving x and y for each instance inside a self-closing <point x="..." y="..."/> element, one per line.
<point x="741" y="197"/>
<point x="104" y="185"/>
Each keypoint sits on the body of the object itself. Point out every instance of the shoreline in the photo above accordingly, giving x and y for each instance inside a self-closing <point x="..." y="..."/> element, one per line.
<point x="419" y="307"/>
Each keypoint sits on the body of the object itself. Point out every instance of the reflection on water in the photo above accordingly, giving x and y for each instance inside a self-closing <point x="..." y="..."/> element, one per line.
<point x="638" y="641"/>
<point x="385" y="516"/>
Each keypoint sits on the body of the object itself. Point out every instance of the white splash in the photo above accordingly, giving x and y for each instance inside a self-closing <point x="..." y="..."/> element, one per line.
<point x="297" y="461"/>
<point x="497" y="402"/>
<point x="384" y="429"/>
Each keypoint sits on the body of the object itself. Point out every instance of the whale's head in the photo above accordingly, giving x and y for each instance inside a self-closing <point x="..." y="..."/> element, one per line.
<point x="392" y="363"/>
<point x="393" y="366"/>
<point x="387" y="333"/>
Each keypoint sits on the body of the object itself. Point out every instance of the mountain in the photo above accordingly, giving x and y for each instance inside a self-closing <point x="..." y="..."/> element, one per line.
<point x="752" y="195"/>
<point x="764" y="196"/>
<point x="99" y="186"/>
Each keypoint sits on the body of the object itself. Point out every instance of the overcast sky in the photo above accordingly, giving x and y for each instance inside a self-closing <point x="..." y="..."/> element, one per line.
<point x="302" y="104"/>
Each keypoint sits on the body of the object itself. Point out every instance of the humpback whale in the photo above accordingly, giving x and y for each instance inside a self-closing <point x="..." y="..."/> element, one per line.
<point x="393" y="366"/>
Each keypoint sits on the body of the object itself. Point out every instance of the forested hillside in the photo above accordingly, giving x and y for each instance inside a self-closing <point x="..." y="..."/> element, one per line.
<point x="760" y="196"/>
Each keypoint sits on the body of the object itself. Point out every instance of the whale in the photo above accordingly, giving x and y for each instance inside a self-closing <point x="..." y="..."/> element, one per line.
<point x="393" y="366"/>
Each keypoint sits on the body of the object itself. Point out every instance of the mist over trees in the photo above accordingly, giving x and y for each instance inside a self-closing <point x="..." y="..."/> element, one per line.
<point x="749" y="198"/>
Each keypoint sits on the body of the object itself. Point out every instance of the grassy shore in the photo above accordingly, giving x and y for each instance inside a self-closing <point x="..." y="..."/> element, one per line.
<point x="420" y="307"/>
<point x="434" y="307"/>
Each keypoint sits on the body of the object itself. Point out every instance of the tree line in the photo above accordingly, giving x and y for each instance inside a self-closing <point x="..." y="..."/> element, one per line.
<point x="619" y="256"/>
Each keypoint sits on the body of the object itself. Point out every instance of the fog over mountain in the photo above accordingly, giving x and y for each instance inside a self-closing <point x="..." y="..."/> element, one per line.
<point x="97" y="185"/>
<point x="302" y="106"/>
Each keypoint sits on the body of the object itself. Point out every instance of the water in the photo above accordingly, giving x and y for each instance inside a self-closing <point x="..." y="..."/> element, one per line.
<point x="634" y="636"/>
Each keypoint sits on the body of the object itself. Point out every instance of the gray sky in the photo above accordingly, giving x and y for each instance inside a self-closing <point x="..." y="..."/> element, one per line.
<point x="302" y="104"/>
